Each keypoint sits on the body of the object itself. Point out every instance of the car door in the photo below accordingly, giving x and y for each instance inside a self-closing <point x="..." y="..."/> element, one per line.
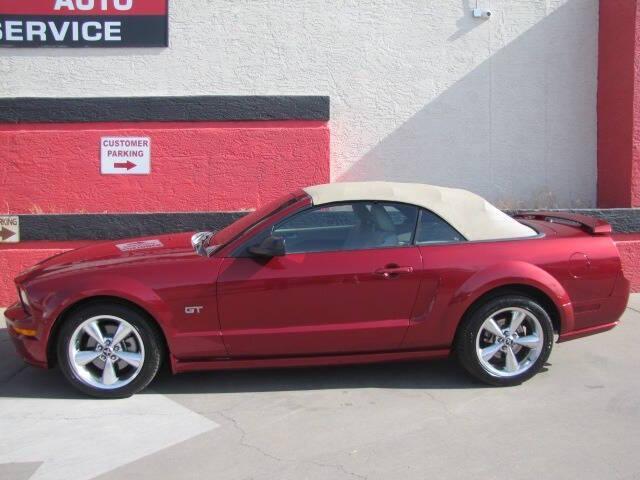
<point x="347" y="284"/>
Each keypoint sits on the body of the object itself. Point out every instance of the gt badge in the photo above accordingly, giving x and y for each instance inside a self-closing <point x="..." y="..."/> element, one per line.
<point x="192" y="310"/>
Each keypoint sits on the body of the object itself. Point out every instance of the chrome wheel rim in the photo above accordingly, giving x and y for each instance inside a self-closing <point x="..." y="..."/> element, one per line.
<point x="106" y="352"/>
<point x="509" y="342"/>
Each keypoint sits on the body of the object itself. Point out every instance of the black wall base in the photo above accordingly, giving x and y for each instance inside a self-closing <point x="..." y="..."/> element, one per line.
<point x="123" y="225"/>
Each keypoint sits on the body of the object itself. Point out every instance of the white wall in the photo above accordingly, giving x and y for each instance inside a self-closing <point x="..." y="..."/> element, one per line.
<point x="419" y="89"/>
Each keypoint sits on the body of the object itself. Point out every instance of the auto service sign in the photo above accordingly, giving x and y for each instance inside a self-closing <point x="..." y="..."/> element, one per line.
<point x="83" y="23"/>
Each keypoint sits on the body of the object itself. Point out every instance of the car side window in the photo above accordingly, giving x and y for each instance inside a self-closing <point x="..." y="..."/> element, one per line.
<point x="433" y="229"/>
<point x="348" y="226"/>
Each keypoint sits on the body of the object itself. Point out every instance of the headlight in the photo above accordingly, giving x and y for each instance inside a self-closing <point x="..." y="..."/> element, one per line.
<point x="24" y="299"/>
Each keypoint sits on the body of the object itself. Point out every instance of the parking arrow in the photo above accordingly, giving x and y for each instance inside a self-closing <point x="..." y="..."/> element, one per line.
<point x="6" y="233"/>
<point x="128" y="165"/>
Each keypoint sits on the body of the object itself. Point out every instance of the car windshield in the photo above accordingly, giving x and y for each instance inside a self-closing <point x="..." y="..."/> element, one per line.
<point x="243" y="224"/>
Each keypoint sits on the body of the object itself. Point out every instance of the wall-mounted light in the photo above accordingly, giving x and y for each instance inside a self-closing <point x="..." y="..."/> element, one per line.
<point x="478" y="12"/>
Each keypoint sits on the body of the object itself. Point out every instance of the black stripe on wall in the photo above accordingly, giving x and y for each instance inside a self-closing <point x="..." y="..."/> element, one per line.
<point x="622" y="220"/>
<point x="124" y="225"/>
<point x="164" y="109"/>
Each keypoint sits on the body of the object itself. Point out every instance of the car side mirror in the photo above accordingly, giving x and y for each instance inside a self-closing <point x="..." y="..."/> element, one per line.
<point x="270" y="247"/>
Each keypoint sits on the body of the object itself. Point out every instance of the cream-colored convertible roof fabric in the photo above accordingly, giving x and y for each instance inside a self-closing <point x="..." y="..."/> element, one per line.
<point x="470" y="214"/>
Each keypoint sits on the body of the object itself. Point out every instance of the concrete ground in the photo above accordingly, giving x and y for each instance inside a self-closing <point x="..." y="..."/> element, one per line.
<point x="577" y="419"/>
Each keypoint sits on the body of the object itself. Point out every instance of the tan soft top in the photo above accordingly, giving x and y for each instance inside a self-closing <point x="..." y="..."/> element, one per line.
<point x="470" y="214"/>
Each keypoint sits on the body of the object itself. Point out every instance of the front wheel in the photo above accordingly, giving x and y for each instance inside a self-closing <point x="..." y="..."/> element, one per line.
<point x="505" y="341"/>
<point x="109" y="350"/>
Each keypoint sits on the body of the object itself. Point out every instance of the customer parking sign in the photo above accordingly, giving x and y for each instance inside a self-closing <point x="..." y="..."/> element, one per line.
<point x="125" y="155"/>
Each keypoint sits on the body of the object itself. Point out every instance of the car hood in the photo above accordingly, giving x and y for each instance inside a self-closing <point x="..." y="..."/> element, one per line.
<point x="114" y="253"/>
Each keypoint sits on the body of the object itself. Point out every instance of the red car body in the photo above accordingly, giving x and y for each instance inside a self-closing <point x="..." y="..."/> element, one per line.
<point x="220" y="311"/>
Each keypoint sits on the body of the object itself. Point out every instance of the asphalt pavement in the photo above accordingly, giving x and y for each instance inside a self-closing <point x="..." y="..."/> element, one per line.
<point x="578" y="418"/>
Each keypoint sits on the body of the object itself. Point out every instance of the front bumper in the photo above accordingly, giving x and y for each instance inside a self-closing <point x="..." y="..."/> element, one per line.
<point x="33" y="349"/>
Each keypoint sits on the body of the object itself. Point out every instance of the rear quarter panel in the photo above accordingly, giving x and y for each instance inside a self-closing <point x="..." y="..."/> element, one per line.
<point x="575" y="270"/>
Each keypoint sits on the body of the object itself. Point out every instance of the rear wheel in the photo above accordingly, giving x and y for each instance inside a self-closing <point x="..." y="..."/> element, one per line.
<point x="109" y="350"/>
<point x="505" y="341"/>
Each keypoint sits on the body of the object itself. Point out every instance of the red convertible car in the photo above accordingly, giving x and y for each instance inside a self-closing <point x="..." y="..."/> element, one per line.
<point x="331" y="274"/>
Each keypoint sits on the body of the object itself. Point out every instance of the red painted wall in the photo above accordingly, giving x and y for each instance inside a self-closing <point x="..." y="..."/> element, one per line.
<point x="618" y="109"/>
<point x="629" y="248"/>
<point x="203" y="166"/>
<point x="635" y="155"/>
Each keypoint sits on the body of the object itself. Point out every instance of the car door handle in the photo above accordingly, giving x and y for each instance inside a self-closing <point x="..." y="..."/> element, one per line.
<point x="391" y="272"/>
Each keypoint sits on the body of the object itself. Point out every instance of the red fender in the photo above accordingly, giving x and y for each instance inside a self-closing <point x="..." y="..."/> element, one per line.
<point x="103" y="284"/>
<point x="514" y="273"/>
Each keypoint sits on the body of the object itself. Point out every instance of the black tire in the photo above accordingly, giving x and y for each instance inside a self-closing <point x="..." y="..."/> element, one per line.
<point x="465" y="344"/>
<point x="147" y="331"/>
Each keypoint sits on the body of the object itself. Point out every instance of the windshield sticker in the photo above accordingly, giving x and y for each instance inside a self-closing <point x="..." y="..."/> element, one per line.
<point x="142" y="245"/>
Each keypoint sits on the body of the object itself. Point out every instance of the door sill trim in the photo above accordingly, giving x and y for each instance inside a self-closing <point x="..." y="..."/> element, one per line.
<point x="181" y="366"/>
